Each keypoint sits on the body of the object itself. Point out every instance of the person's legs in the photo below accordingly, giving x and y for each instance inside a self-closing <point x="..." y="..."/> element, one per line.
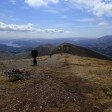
<point x="34" y="61"/>
<point x="50" y="55"/>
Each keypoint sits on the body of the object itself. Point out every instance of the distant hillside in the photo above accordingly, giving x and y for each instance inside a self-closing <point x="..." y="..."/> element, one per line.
<point x="12" y="49"/>
<point x="42" y="49"/>
<point x="105" y="39"/>
<point x="102" y="45"/>
<point x="6" y="55"/>
<point x="22" y="55"/>
<point x="45" y="49"/>
<point x="77" y="50"/>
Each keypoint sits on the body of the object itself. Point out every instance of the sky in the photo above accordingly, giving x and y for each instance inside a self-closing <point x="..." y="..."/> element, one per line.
<point x="55" y="18"/>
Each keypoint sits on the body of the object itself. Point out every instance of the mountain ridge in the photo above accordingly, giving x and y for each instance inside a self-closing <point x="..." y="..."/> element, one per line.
<point x="78" y="50"/>
<point x="46" y="49"/>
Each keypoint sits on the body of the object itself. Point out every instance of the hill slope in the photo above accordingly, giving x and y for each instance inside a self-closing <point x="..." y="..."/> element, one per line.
<point x="6" y="55"/>
<point x="45" y="49"/>
<point x="63" y="83"/>
<point x="77" y="50"/>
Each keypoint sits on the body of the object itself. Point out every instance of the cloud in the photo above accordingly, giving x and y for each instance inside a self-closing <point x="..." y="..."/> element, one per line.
<point x="39" y="3"/>
<point x="26" y="28"/>
<point x="85" y="20"/>
<point x="13" y="2"/>
<point x="15" y="27"/>
<point x="103" y="24"/>
<point x="51" y="11"/>
<point x="29" y="31"/>
<point x="97" y="7"/>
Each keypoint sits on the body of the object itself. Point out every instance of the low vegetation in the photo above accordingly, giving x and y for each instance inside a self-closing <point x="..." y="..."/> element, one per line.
<point x="64" y="83"/>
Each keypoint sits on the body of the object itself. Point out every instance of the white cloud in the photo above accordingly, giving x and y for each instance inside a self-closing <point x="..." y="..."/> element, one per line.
<point x="13" y="2"/>
<point x="103" y="24"/>
<point x="15" y="27"/>
<point x="38" y="3"/>
<point x="29" y="31"/>
<point x="51" y="11"/>
<point x="26" y="28"/>
<point x="85" y="20"/>
<point x="98" y="7"/>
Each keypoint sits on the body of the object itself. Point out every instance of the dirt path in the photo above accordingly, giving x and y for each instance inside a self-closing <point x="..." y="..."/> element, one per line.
<point x="44" y="61"/>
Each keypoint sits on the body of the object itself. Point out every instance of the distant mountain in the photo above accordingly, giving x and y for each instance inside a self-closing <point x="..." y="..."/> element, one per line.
<point x="77" y="50"/>
<point x="42" y="49"/>
<point x="102" y="45"/>
<point x="25" y="53"/>
<point x="40" y="41"/>
<point x="12" y="49"/>
<point x="45" y="49"/>
<point x="26" y="45"/>
<point x="105" y="39"/>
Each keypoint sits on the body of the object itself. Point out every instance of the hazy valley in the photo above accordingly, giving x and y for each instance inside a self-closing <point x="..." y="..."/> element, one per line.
<point x="17" y="47"/>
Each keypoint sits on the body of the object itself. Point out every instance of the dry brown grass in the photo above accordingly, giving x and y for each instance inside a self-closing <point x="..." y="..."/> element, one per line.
<point x="87" y="80"/>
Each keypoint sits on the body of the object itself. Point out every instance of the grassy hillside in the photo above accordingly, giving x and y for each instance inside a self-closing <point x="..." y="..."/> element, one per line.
<point x="64" y="83"/>
<point x="24" y="54"/>
<point x="45" y="49"/>
<point x="77" y="50"/>
<point x="6" y="55"/>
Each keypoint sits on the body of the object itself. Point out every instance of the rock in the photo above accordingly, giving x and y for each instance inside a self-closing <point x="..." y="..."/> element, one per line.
<point x="17" y="74"/>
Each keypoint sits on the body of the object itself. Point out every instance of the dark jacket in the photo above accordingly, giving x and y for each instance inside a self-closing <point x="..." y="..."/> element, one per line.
<point x="34" y="53"/>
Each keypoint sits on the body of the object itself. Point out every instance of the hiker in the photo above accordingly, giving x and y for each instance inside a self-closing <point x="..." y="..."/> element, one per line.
<point x="50" y="55"/>
<point x="34" y="54"/>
